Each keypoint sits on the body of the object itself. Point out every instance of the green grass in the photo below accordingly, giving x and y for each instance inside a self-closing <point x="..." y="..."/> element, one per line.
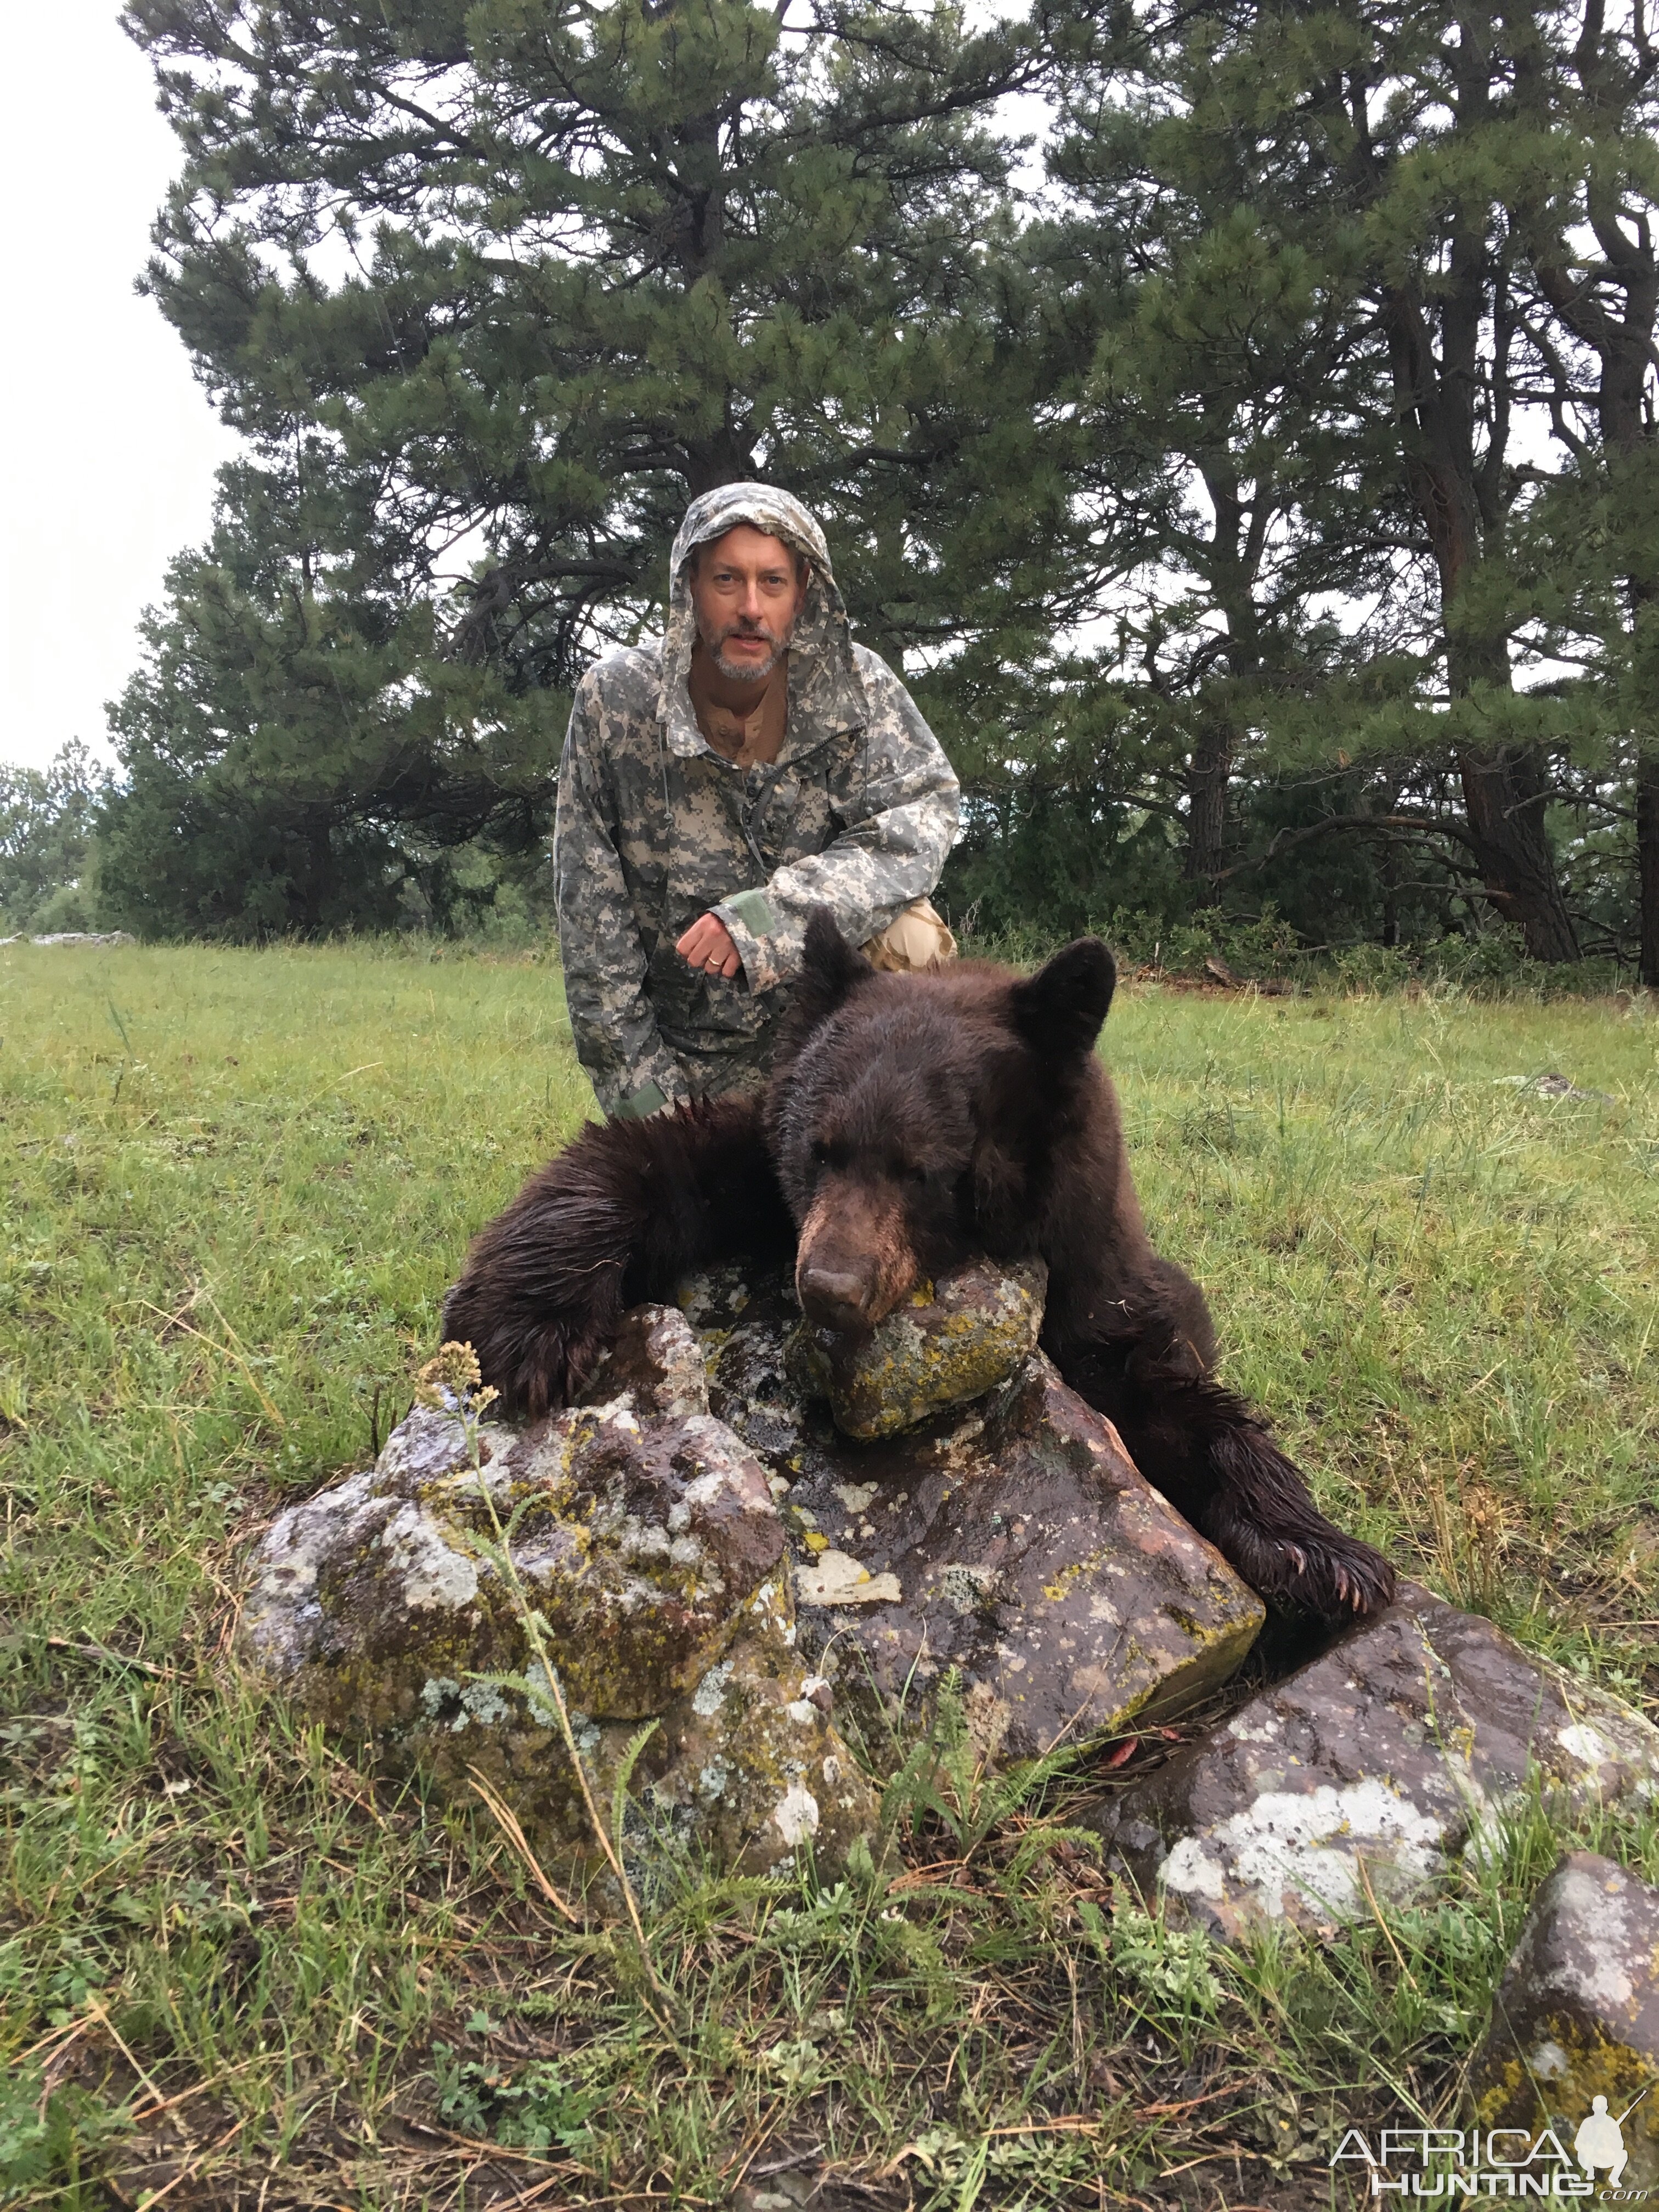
<point x="236" y="1185"/>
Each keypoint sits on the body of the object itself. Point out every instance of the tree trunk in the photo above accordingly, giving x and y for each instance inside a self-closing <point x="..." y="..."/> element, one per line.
<point x="1581" y="297"/>
<point x="1435" y="359"/>
<point x="1647" y="850"/>
<point x="1504" y="791"/>
<point x="722" y="459"/>
<point x="1207" y="774"/>
<point x="1231" y="562"/>
<point x="1388" y="873"/>
<point x="1504" y="795"/>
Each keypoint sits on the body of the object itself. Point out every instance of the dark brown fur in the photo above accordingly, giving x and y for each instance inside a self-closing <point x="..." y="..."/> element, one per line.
<point x="912" y="1121"/>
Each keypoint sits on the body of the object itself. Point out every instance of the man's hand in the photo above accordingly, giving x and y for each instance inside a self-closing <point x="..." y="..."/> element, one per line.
<point x="707" y="945"/>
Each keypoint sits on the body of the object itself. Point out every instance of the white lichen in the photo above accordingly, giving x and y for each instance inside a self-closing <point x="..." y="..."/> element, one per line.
<point x="435" y="1578"/>
<point x="1288" y="1848"/>
<point x="796" y="1815"/>
<point x="1586" y="1744"/>
<point x="834" y="1578"/>
<point x="710" y="1693"/>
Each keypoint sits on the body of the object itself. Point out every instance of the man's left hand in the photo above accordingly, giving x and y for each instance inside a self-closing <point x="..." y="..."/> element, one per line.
<point x="707" y="945"/>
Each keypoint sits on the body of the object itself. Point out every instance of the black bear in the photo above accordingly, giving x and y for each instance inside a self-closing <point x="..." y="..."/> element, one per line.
<point x="912" y="1122"/>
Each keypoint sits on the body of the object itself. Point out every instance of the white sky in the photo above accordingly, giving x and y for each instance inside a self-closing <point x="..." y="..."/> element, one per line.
<point x="108" y="444"/>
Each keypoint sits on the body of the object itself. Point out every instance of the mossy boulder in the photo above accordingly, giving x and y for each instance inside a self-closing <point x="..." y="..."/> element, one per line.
<point x="1577" y="2019"/>
<point x="646" y="1536"/>
<point x="947" y="1344"/>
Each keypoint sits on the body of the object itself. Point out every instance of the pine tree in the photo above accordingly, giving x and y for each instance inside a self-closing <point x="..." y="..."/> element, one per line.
<point x="1225" y="432"/>
<point x="1594" y="270"/>
<point x="501" y="286"/>
<point x="299" y="756"/>
<point x="1409" y="155"/>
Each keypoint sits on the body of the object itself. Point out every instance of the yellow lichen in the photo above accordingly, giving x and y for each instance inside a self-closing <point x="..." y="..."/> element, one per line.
<point x="1596" y="2066"/>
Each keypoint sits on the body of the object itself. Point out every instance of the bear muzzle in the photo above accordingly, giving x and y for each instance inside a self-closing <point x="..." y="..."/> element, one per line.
<point x="854" y="1260"/>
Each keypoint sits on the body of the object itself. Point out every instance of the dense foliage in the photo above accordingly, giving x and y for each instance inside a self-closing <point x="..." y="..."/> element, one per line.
<point x="1253" y="476"/>
<point x="46" y="838"/>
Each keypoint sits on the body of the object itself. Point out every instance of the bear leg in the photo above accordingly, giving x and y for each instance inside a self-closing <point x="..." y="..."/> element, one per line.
<point x="1259" y="1515"/>
<point x="1217" y="1463"/>
<point x="618" y="1217"/>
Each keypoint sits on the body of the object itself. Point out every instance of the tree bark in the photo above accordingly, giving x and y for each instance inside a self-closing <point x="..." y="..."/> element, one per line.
<point x="1580" y="292"/>
<point x="1647" y="852"/>
<point x="1504" y="795"/>
<point x="1438" y="374"/>
<point x="1230" y="562"/>
<point x="1504" y="789"/>
<point x="1206" y="804"/>
<point x="1209" y="770"/>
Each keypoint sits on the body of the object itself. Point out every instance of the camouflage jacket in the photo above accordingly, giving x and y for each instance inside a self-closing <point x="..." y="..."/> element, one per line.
<point x="654" y="829"/>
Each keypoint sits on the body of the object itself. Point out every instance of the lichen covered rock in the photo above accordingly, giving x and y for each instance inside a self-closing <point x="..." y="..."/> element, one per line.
<point x="1012" y="1541"/>
<point x="948" y="1343"/>
<point x="1360" y="1777"/>
<point x="1578" y="2018"/>
<point x="646" y="1537"/>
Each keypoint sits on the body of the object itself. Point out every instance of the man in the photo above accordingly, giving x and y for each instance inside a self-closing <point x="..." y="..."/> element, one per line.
<point x="716" y="787"/>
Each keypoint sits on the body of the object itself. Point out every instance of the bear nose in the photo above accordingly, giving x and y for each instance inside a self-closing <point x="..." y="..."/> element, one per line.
<point x="832" y="1298"/>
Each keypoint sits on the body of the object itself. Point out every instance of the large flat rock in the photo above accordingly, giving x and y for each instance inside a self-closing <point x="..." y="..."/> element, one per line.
<point x="1577" y="2019"/>
<point x="1361" y="1774"/>
<point x="1012" y="1539"/>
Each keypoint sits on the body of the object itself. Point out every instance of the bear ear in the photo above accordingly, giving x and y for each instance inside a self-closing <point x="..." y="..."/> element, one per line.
<point x="1059" y="1010"/>
<point x="829" y="969"/>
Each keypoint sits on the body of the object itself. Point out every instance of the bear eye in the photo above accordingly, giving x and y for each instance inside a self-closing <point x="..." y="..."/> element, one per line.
<point x="820" y="1153"/>
<point x="914" y="1175"/>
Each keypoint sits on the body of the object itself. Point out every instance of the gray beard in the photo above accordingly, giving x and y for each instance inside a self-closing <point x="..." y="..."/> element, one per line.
<point x="746" y="672"/>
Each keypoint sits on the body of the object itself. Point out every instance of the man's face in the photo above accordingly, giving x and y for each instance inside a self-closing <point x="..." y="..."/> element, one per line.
<point x="746" y="592"/>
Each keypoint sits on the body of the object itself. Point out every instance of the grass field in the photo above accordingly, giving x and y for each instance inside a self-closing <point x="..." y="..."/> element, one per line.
<point x="235" y="1970"/>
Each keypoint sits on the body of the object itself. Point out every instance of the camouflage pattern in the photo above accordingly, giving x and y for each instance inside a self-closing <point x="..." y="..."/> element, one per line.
<point x="655" y="829"/>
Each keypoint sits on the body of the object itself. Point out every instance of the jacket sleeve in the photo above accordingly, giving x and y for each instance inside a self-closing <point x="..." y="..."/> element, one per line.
<point x="618" y="1042"/>
<point x="901" y="821"/>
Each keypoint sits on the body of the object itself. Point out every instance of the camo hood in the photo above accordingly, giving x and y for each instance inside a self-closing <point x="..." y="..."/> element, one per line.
<point x="825" y="689"/>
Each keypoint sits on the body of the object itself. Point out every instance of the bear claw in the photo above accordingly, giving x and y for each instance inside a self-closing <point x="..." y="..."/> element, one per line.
<point x="1341" y="1577"/>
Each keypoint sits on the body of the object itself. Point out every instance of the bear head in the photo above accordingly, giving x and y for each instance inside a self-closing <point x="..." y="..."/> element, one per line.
<point x="914" y="1120"/>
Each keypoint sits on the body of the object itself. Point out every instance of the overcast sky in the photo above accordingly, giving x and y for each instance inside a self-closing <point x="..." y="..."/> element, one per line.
<point x="109" y="445"/>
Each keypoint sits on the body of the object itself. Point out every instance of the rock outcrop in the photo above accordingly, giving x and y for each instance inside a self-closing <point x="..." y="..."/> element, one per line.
<point x="746" y="1529"/>
<point x="1576" y="2021"/>
<point x="645" y="1536"/>
<point x="1011" y="1538"/>
<point x="1363" y="1774"/>
<point x="711" y="1552"/>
